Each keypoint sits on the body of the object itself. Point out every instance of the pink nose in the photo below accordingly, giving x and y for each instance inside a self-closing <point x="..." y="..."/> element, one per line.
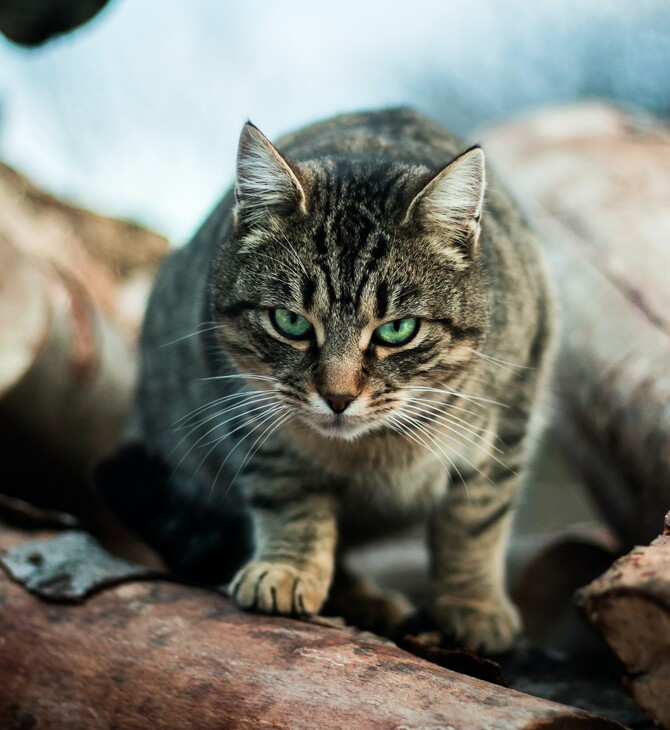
<point x="338" y="403"/>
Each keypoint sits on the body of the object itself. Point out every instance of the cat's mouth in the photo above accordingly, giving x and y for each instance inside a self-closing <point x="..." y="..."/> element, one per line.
<point x="342" y="426"/>
<point x="350" y="423"/>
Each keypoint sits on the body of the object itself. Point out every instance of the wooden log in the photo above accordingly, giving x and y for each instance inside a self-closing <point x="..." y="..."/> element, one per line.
<point x="629" y="606"/>
<point x="72" y="295"/>
<point x="113" y="261"/>
<point x="160" y="655"/>
<point x="596" y="184"/>
<point x="69" y="374"/>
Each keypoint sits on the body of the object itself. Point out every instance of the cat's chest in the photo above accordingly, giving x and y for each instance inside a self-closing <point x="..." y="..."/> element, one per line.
<point x="402" y="494"/>
<point x="385" y="477"/>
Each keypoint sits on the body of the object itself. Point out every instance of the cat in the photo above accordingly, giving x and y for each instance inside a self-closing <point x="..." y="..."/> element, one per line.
<point x="355" y="340"/>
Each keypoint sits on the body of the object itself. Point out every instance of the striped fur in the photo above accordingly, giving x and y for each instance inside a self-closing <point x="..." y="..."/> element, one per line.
<point x="351" y="223"/>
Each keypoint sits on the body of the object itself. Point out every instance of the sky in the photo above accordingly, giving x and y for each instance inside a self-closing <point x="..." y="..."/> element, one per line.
<point x="137" y="114"/>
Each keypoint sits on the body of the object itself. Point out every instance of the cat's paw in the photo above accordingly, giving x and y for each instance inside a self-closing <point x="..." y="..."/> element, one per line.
<point x="363" y="605"/>
<point x="489" y="625"/>
<point x="278" y="588"/>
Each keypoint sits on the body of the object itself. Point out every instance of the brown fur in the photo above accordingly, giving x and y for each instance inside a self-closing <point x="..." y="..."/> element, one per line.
<point x="353" y="223"/>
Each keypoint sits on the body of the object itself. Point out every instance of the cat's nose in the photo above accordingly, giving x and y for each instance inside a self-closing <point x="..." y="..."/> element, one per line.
<point x="338" y="403"/>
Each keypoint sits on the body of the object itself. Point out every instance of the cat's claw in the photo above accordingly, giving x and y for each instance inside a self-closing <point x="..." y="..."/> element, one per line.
<point x="278" y="588"/>
<point x="488" y="625"/>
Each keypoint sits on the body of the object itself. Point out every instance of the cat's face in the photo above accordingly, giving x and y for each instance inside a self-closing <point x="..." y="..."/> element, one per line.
<point x="347" y="288"/>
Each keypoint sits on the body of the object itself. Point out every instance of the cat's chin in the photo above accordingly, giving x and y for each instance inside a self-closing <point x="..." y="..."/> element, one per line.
<point x="344" y="430"/>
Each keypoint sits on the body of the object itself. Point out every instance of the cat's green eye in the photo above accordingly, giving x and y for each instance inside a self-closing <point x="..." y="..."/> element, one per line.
<point x="398" y="332"/>
<point x="291" y="325"/>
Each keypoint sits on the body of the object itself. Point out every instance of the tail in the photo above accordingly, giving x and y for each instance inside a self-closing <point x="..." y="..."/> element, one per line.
<point x="200" y="542"/>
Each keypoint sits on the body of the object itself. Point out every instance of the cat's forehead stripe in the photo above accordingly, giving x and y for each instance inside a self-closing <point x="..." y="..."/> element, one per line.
<point x="308" y="289"/>
<point x="348" y="243"/>
<point x="381" y="304"/>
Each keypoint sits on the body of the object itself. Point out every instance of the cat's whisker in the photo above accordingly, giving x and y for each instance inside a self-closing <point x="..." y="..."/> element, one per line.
<point x="415" y="423"/>
<point x="236" y="406"/>
<point x="449" y="406"/>
<point x="279" y="421"/>
<point x="475" y="398"/>
<point x="244" y="408"/>
<point x="200" y="330"/>
<point x="250" y="376"/>
<point x="239" y="416"/>
<point x="421" y="441"/>
<point x="216" y="402"/>
<point x="456" y="429"/>
<point x="405" y="431"/>
<point x="261" y="417"/>
<point x="238" y="402"/>
<point x="264" y="406"/>
<point x="501" y="363"/>
<point x="275" y="411"/>
<point x="435" y="430"/>
<point x="461" y="439"/>
<point x="459" y="424"/>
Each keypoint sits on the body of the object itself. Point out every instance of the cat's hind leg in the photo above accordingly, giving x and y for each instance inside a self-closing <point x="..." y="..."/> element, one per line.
<point x="360" y="603"/>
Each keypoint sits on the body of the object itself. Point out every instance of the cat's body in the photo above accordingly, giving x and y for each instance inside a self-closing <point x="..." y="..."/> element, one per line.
<point x="362" y="237"/>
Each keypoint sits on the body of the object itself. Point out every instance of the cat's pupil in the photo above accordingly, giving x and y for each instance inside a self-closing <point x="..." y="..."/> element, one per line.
<point x="396" y="325"/>
<point x="293" y="317"/>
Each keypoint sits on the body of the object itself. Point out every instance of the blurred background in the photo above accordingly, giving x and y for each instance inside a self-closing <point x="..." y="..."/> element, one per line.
<point x="137" y="113"/>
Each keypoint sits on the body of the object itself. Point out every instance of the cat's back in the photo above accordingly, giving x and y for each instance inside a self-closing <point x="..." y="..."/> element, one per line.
<point x="400" y="134"/>
<point x="177" y="343"/>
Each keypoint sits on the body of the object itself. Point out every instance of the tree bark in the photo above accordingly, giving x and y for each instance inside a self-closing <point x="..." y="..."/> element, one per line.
<point x="629" y="606"/>
<point x="161" y="655"/>
<point x="596" y="184"/>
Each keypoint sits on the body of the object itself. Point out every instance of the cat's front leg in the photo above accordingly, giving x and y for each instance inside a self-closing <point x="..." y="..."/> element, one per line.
<point x="468" y="538"/>
<point x="293" y="562"/>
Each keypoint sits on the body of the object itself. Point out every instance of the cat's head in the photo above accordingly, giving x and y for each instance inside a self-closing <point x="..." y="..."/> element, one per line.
<point x="349" y="282"/>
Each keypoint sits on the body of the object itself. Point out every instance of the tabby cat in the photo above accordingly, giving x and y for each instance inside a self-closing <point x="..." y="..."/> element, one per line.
<point x="354" y="341"/>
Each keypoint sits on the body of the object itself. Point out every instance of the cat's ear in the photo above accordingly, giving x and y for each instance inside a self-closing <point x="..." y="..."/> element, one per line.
<point x="265" y="183"/>
<point x="450" y="205"/>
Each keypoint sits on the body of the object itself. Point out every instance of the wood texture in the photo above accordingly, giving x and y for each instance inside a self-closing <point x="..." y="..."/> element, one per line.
<point x="629" y="606"/>
<point x="596" y="184"/>
<point x="160" y="655"/>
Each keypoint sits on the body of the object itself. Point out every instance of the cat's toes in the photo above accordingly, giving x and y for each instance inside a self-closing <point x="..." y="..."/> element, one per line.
<point x="489" y="625"/>
<point x="278" y="588"/>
